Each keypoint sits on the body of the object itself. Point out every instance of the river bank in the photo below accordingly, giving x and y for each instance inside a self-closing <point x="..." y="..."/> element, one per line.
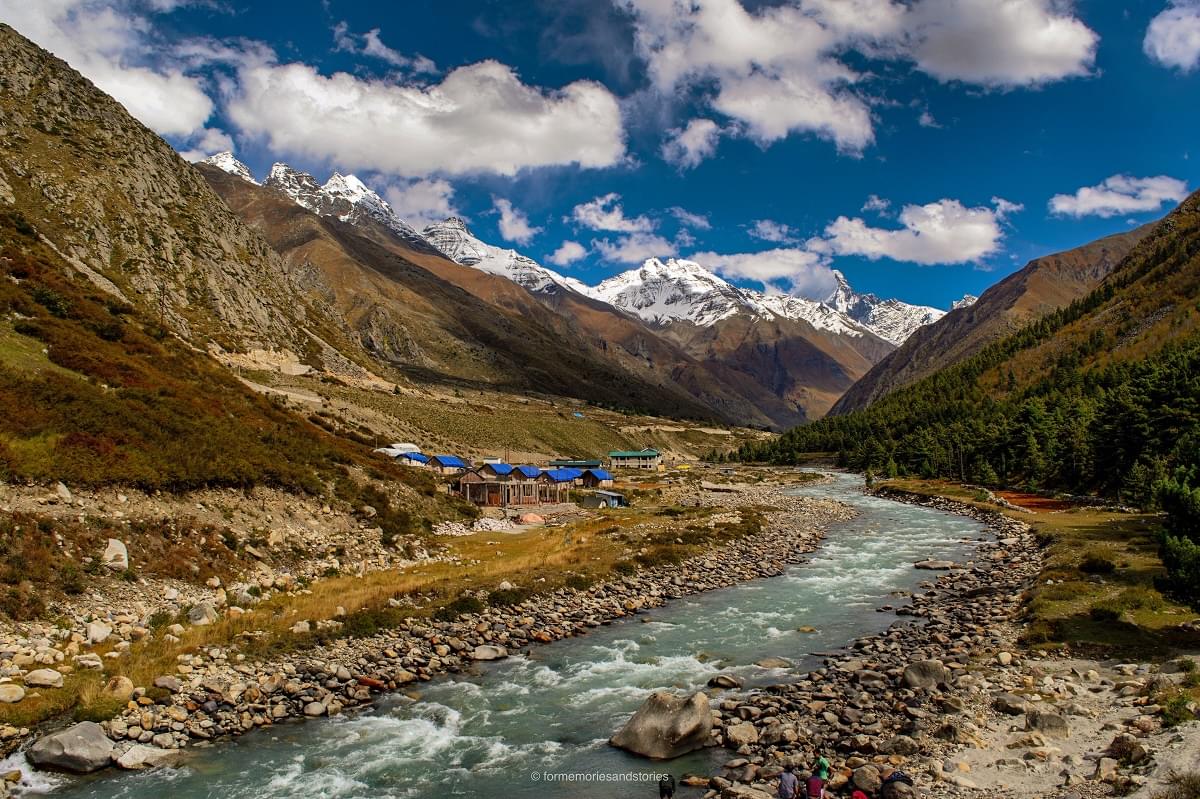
<point x="957" y="703"/>
<point x="213" y="695"/>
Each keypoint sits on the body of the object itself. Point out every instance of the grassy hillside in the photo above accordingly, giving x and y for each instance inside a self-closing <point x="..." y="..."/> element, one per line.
<point x="91" y="392"/>
<point x="1043" y="285"/>
<point x="1101" y="396"/>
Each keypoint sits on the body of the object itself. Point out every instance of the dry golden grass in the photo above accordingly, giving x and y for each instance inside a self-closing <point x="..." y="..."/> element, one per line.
<point x="538" y="560"/>
<point x="1078" y="608"/>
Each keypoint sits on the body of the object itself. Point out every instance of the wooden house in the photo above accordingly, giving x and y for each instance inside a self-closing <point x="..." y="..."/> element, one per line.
<point x="635" y="459"/>
<point x="501" y="485"/>
<point x="596" y="478"/>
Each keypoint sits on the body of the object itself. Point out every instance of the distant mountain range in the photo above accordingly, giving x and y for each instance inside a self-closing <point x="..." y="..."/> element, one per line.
<point x="659" y="292"/>
<point x="771" y="360"/>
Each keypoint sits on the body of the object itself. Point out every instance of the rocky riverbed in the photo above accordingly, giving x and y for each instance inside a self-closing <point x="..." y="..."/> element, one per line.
<point x="217" y="693"/>
<point x="947" y="696"/>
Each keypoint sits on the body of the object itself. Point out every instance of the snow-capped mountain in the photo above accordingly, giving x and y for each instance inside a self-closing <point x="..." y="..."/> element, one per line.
<point x="892" y="320"/>
<point x="680" y="290"/>
<point x="454" y="240"/>
<point x="674" y="290"/>
<point x="343" y="196"/>
<point x="966" y="302"/>
<point x="227" y="162"/>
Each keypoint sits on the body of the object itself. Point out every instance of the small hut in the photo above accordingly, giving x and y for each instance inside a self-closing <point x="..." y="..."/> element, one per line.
<point x="447" y="464"/>
<point x="596" y="478"/>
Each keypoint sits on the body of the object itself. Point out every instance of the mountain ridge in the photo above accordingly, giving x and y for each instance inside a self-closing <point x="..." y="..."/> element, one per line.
<point x="1042" y="285"/>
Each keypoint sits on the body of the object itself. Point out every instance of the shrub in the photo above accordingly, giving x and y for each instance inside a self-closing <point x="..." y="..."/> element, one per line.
<point x="1181" y="786"/>
<point x="1175" y="709"/>
<point x="369" y="621"/>
<point x="1097" y="562"/>
<point x="1061" y="592"/>
<point x="459" y="607"/>
<point x="508" y="596"/>
<point x="625" y="567"/>
<point x="578" y="582"/>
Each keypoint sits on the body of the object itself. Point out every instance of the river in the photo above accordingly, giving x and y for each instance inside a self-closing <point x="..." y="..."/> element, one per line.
<point x="537" y="726"/>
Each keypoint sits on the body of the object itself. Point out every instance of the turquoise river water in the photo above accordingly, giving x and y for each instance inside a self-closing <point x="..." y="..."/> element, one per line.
<point x="538" y="726"/>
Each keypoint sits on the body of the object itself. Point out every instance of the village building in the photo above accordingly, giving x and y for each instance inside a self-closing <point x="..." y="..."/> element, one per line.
<point x="605" y="499"/>
<point x="596" y="478"/>
<point x="447" y="464"/>
<point x="575" y="464"/>
<point x="635" y="459"/>
<point x="501" y="485"/>
<point x="555" y="484"/>
<point x="413" y="459"/>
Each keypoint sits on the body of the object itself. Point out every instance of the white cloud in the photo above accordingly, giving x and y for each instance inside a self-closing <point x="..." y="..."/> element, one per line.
<point x="209" y="142"/>
<point x="781" y="69"/>
<point x="1173" y="36"/>
<point x="635" y="248"/>
<point x="1120" y="194"/>
<point x="422" y="202"/>
<point x="876" y="203"/>
<point x="567" y="253"/>
<point x="686" y="217"/>
<point x="943" y="232"/>
<point x="686" y="147"/>
<point x="514" y="224"/>
<point x="109" y="42"/>
<point x="927" y="120"/>
<point x="480" y="118"/>
<point x="606" y="213"/>
<point x="1000" y="43"/>
<point x="770" y="230"/>
<point x="371" y="44"/>
<point x="805" y="272"/>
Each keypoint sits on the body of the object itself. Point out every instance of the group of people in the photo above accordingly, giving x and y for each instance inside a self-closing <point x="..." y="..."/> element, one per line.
<point x="790" y="786"/>
<point x="815" y="786"/>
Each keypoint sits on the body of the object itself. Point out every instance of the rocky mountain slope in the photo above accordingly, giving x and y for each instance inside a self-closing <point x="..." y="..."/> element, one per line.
<point x="1043" y="285"/>
<point x="1097" y="396"/>
<point x="422" y="323"/>
<point x="131" y="217"/>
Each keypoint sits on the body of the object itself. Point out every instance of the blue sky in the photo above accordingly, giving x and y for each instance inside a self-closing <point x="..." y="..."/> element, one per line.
<point x="925" y="148"/>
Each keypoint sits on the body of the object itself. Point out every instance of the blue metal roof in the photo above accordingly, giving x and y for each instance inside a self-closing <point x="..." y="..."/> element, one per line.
<point x="529" y="471"/>
<point x="499" y="468"/>
<point x="599" y="474"/>
<point x="413" y="456"/>
<point x="449" y="460"/>
<point x="562" y="475"/>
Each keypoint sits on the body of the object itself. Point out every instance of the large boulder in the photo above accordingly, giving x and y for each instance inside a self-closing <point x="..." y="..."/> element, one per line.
<point x="740" y="735"/>
<point x="116" y="556"/>
<point x="1010" y="704"/>
<point x="667" y="726"/>
<point x="1048" y="724"/>
<point x="489" y="652"/>
<point x="926" y="674"/>
<point x="203" y="613"/>
<point x="898" y="790"/>
<point x="866" y="778"/>
<point x="140" y="756"/>
<point x="44" y="678"/>
<point x="11" y="694"/>
<point x="80" y="749"/>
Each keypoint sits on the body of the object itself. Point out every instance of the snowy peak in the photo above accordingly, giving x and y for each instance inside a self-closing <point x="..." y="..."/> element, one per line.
<point x="453" y="239"/>
<point x="225" y="161"/>
<point x="674" y="290"/>
<point x="892" y="320"/>
<point x="343" y="196"/>
<point x="301" y="187"/>
<point x="966" y="302"/>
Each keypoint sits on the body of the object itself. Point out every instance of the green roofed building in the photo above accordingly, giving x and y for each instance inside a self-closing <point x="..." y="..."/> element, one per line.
<point x="635" y="459"/>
